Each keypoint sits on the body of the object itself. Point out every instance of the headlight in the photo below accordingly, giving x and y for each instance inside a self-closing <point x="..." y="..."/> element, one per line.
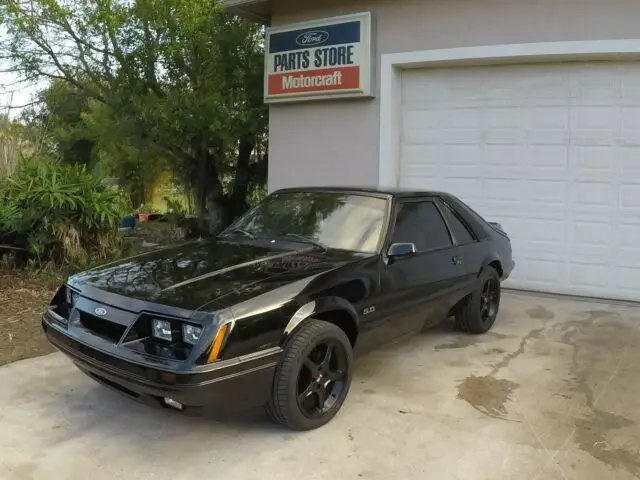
<point x="71" y="297"/>
<point x="161" y="329"/>
<point x="191" y="333"/>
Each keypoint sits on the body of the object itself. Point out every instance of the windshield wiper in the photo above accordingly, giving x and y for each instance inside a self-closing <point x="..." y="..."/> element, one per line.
<point x="240" y="231"/>
<point x="308" y="240"/>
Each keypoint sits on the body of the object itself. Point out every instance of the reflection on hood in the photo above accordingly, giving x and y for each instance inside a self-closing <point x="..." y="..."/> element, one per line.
<point x="193" y="275"/>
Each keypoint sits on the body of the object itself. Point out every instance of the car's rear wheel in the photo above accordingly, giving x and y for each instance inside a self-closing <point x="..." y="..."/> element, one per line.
<point x="478" y="312"/>
<point x="313" y="378"/>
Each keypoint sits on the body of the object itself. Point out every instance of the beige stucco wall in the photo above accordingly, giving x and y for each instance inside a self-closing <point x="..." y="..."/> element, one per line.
<point x="336" y="142"/>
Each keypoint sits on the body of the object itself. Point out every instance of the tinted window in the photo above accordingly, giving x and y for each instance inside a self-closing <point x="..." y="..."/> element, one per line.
<point x="459" y="230"/>
<point x="422" y="224"/>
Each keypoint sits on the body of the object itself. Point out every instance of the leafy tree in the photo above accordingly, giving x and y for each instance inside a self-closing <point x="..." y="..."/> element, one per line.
<point x="180" y="77"/>
<point x="59" y="117"/>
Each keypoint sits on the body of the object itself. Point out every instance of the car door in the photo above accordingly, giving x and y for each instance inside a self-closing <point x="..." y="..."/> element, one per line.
<point x="416" y="290"/>
<point x="470" y="251"/>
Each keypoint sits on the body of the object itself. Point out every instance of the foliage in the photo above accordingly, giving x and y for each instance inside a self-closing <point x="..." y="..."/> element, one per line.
<point x="16" y="139"/>
<point x="174" y="84"/>
<point x="60" y="212"/>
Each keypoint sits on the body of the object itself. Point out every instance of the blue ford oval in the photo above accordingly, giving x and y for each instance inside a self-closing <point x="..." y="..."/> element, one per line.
<point x="312" y="38"/>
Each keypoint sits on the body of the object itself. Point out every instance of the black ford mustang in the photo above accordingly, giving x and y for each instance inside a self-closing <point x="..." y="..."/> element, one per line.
<point x="272" y="311"/>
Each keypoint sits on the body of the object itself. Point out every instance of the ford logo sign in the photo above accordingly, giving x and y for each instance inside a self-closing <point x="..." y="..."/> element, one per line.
<point x="312" y="38"/>
<point x="101" y="312"/>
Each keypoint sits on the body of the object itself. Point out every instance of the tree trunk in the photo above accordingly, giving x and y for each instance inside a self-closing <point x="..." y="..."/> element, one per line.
<point x="201" y="191"/>
<point x="237" y="201"/>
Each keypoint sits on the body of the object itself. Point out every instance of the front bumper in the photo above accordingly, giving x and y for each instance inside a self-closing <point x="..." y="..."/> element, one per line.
<point x="229" y="385"/>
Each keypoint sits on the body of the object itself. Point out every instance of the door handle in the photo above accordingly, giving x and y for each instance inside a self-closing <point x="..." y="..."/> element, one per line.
<point x="457" y="260"/>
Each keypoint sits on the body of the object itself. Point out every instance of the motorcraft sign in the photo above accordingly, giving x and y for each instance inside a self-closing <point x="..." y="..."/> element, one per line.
<point x="321" y="59"/>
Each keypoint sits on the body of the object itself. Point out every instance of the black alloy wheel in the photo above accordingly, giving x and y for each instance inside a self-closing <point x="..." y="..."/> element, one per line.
<point x="478" y="312"/>
<point x="321" y="379"/>
<point x="489" y="299"/>
<point x="312" y="380"/>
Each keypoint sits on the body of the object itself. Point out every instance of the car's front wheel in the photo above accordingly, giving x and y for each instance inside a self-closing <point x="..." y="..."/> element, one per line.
<point x="313" y="378"/>
<point x="478" y="312"/>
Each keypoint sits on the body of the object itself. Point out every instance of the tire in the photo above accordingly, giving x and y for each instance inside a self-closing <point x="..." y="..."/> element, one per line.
<point x="471" y="316"/>
<point x="295" y="404"/>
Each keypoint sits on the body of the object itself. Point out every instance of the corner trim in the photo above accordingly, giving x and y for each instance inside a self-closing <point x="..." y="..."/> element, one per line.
<point x="391" y="66"/>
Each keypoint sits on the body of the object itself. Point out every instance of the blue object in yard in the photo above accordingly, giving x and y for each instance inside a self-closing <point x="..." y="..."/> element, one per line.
<point x="128" y="222"/>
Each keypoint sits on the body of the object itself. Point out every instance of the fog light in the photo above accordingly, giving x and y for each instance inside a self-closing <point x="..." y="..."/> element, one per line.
<point x="170" y="402"/>
<point x="161" y="329"/>
<point x="190" y="333"/>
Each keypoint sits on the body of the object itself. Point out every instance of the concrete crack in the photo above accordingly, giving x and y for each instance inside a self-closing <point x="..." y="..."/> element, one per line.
<point x="507" y="359"/>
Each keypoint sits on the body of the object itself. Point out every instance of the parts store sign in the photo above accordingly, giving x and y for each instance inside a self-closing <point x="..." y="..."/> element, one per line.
<point x="321" y="59"/>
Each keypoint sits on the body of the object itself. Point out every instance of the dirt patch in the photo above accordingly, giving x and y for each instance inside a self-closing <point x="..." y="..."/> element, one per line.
<point x="23" y="299"/>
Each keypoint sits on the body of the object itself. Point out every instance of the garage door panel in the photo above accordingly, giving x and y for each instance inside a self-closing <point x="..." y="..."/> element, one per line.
<point x="630" y="236"/>
<point x="422" y="120"/>
<point x="554" y="117"/>
<point x="630" y="197"/>
<point x="461" y="155"/>
<point x="552" y="152"/>
<point x="422" y="155"/>
<point x="503" y="136"/>
<point x="539" y="193"/>
<point x="546" y="232"/>
<point x="544" y="137"/>
<point x="595" y="119"/>
<point x="590" y="234"/>
<point x="593" y="197"/>
<point x="539" y="271"/>
<point x="546" y="156"/>
<point x="595" y="163"/>
<point x="589" y="276"/>
<point x="630" y="117"/>
<point x="626" y="278"/>
<point x="626" y="258"/>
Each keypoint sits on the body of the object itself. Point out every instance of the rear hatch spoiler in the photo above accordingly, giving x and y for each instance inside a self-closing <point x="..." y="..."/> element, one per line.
<point x="498" y="228"/>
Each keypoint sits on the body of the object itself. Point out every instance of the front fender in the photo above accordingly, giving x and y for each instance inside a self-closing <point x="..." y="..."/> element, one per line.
<point x="317" y="307"/>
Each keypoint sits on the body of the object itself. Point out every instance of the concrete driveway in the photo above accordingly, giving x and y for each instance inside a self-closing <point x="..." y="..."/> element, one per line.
<point x="552" y="392"/>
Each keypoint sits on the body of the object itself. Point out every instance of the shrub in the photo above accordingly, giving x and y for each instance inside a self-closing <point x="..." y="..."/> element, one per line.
<point x="60" y="212"/>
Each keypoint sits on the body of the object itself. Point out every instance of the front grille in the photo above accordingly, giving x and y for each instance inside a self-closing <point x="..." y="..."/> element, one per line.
<point x="101" y="327"/>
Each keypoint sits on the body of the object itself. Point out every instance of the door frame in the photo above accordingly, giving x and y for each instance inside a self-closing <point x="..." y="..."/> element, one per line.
<point x="392" y="65"/>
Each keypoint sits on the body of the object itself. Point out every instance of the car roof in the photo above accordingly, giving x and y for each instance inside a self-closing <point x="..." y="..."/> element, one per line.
<point x="388" y="191"/>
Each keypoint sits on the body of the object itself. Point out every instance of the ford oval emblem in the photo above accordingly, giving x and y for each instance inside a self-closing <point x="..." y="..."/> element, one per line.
<point x="101" y="312"/>
<point x="312" y="38"/>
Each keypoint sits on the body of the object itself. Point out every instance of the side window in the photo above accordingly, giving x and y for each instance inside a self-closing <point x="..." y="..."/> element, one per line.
<point x="459" y="229"/>
<point x="422" y="224"/>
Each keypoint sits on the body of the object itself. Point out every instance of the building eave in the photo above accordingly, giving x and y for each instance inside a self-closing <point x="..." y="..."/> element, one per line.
<point x="254" y="10"/>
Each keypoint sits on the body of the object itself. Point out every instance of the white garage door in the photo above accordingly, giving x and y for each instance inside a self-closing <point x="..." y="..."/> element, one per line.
<point x="550" y="151"/>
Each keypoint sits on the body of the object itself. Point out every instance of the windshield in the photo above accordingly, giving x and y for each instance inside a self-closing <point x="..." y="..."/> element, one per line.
<point x="336" y="220"/>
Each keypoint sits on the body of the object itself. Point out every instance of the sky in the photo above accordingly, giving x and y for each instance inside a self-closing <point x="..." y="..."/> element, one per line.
<point x="14" y="93"/>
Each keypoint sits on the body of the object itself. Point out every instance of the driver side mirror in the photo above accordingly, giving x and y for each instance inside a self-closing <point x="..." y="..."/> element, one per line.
<point x="398" y="250"/>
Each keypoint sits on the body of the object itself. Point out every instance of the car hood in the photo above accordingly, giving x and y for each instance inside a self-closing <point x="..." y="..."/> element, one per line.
<point x="195" y="275"/>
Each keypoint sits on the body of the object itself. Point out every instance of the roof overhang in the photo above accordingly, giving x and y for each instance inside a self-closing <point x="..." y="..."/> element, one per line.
<point x="256" y="10"/>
